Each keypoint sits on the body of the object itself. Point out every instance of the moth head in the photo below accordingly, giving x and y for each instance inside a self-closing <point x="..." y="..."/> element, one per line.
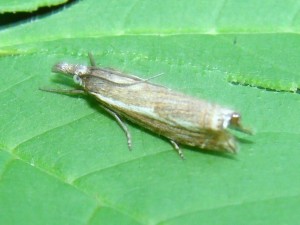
<point x="70" y="69"/>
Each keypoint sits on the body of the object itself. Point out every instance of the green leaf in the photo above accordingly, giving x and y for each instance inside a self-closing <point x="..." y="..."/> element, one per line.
<point x="26" y="6"/>
<point x="63" y="160"/>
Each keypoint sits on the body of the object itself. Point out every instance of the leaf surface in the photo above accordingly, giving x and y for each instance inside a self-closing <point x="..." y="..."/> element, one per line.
<point x="63" y="160"/>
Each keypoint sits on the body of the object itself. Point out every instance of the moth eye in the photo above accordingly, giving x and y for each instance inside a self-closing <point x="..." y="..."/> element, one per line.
<point x="77" y="79"/>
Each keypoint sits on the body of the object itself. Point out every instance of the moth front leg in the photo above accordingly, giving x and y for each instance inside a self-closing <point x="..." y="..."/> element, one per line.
<point x="92" y="59"/>
<point x="64" y="91"/>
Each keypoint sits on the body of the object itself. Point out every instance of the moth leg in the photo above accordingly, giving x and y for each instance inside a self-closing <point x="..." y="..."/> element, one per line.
<point x="92" y="60"/>
<point x="176" y="147"/>
<point x="63" y="91"/>
<point x="205" y="142"/>
<point x="121" y="123"/>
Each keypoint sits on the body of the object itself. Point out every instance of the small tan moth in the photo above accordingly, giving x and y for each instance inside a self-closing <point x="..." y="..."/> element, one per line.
<point x="180" y="118"/>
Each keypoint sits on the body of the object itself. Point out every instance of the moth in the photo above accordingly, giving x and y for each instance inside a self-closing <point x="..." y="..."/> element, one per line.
<point x="179" y="118"/>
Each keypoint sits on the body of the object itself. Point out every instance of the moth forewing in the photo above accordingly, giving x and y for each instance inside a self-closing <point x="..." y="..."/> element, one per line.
<point x="180" y="118"/>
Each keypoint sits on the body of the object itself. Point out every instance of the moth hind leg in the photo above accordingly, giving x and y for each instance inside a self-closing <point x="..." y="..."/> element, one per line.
<point x="121" y="124"/>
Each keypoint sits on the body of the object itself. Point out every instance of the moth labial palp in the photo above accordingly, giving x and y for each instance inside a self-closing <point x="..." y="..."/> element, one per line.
<point x="180" y="118"/>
